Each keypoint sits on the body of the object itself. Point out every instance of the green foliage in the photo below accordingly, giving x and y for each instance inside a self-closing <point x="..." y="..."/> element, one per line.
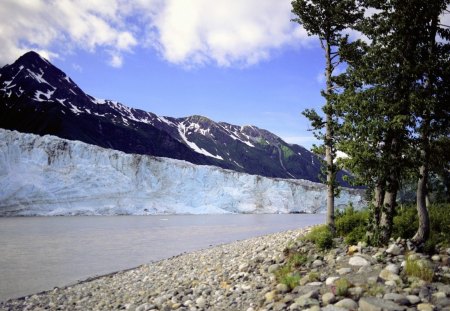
<point x="342" y="286"/>
<point x="284" y="275"/>
<point x="296" y="260"/>
<point x="287" y="152"/>
<point x="349" y="219"/>
<point x="313" y="276"/>
<point x="419" y="268"/>
<point x="352" y="225"/>
<point x="406" y="224"/>
<point x="376" y="289"/>
<point x="287" y="274"/>
<point x="321" y="236"/>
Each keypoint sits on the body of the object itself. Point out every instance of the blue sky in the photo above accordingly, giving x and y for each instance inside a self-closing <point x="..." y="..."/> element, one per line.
<point x="241" y="62"/>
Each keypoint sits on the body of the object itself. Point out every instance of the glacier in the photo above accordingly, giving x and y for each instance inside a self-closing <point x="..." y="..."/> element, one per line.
<point x="47" y="175"/>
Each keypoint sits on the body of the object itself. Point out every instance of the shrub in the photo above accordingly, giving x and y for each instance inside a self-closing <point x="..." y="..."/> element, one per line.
<point x="321" y="236"/>
<point x="406" y="224"/>
<point x="297" y="259"/>
<point x="349" y="220"/>
<point x="420" y="269"/>
<point x="342" y="286"/>
<point x="285" y="276"/>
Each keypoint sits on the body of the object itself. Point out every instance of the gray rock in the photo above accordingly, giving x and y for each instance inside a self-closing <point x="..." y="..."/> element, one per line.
<point x="317" y="263"/>
<point x="347" y="303"/>
<point x="390" y="283"/>
<point x="387" y="275"/>
<point x="378" y="304"/>
<point x="392" y="268"/>
<point x="330" y="280"/>
<point x="273" y="268"/>
<point x="333" y="308"/>
<point x="328" y="298"/>
<point x="436" y="258"/>
<point x="201" y="302"/>
<point x="413" y="299"/>
<point x="397" y="298"/>
<point x="393" y="249"/>
<point x="358" y="261"/>
<point x="306" y="302"/>
<point x="317" y="283"/>
<point x="425" y="307"/>
<point x="343" y="271"/>
<point x="311" y="294"/>
<point x="282" y="288"/>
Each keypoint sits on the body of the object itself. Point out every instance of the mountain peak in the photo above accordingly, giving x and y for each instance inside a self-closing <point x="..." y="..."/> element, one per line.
<point x="32" y="58"/>
<point x="37" y="97"/>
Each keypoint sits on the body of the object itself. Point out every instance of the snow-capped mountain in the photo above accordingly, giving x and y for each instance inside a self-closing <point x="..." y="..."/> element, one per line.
<point x="36" y="97"/>
<point x="47" y="175"/>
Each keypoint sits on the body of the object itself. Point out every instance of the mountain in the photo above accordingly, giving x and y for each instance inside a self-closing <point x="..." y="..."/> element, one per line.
<point x="47" y="175"/>
<point x="36" y="97"/>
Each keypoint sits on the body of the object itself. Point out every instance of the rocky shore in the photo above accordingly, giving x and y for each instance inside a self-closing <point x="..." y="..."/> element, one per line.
<point x="243" y="276"/>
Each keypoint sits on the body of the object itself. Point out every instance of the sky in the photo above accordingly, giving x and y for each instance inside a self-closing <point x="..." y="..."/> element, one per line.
<point x="240" y="62"/>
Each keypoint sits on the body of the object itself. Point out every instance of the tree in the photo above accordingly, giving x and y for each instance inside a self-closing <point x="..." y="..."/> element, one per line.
<point x="393" y="99"/>
<point x="376" y="103"/>
<point x="327" y="19"/>
<point x="431" y="107"/>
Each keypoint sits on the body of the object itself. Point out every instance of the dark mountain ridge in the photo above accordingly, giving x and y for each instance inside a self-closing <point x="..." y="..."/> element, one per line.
<point x="36" y="97"/>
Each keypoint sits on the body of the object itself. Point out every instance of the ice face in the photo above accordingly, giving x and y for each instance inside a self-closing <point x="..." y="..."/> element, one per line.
<point x="52" y="176"/>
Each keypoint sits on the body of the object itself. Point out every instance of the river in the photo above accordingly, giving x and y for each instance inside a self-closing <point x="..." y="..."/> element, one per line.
<point x="40" y="253"/>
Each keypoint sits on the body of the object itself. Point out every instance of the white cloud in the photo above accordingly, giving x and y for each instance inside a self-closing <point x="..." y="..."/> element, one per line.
<point x="224" y="32"/>
<point x="116" y="60"/>
<point x="190" y="33"/>
<point x="55" y="27"/>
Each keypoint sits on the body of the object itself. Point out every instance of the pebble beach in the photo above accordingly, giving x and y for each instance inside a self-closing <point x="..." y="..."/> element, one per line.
<point x="242" y="276"/>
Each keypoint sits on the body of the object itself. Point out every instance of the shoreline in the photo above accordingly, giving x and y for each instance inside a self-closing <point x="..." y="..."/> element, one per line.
<point x="234" y="265"/>
<point x="245" y="275"/>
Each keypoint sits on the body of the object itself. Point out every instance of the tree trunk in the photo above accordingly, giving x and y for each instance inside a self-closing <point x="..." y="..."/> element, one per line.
<point x="424" y="221"/>
<point x="377" y="202"/>
<point x="390" y="197"/>
<point x="423" y="231"/>
<point x="387" y="215"/>
<point x="329" y="141"/>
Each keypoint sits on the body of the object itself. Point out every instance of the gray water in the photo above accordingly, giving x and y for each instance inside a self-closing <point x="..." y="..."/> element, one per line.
<point x="40" y="253"/>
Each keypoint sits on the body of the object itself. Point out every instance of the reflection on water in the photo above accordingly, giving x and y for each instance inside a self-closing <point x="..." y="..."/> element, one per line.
<point x="39" y="253"/>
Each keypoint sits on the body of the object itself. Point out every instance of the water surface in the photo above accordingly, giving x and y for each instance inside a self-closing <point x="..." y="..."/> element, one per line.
<point x="40" y="253"/>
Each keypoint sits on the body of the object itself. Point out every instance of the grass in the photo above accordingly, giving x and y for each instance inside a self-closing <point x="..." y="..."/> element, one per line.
<point x="342" y="286"/>
<point x="287" y="274"/>
<point x="321" y="236"/>
<point x="420" y="269"/>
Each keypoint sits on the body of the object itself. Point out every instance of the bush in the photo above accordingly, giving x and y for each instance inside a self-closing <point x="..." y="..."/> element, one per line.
<point x="321" y="236"/>
<point x="406" y="224"/>
<point x="342" y="286"/>
<point x="349" y="220"/>
<point x="420" y="269"/>
<point x="284" y="275"/>
<point x="352" y="225"/>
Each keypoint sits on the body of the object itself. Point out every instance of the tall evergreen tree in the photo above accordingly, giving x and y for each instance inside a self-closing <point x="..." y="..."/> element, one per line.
<point x="389" y="104"/>
<point x="376" y="103"/>
<point x="431" y="108"/>
<point x="327" y="19"/>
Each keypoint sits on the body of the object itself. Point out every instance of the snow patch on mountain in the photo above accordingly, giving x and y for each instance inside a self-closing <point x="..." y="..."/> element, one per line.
<point x="52" y="176"/>
<point x="182" y="131"/>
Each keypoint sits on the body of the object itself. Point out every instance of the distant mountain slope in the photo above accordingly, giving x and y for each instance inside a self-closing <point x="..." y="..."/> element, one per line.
<point x="36" y="97"/>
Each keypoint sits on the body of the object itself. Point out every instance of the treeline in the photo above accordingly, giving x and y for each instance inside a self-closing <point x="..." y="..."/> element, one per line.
<point x="387" y="99"/>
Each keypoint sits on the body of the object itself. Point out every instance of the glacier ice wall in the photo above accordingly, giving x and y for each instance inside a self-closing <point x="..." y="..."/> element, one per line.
<point x="52" y="176"/>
